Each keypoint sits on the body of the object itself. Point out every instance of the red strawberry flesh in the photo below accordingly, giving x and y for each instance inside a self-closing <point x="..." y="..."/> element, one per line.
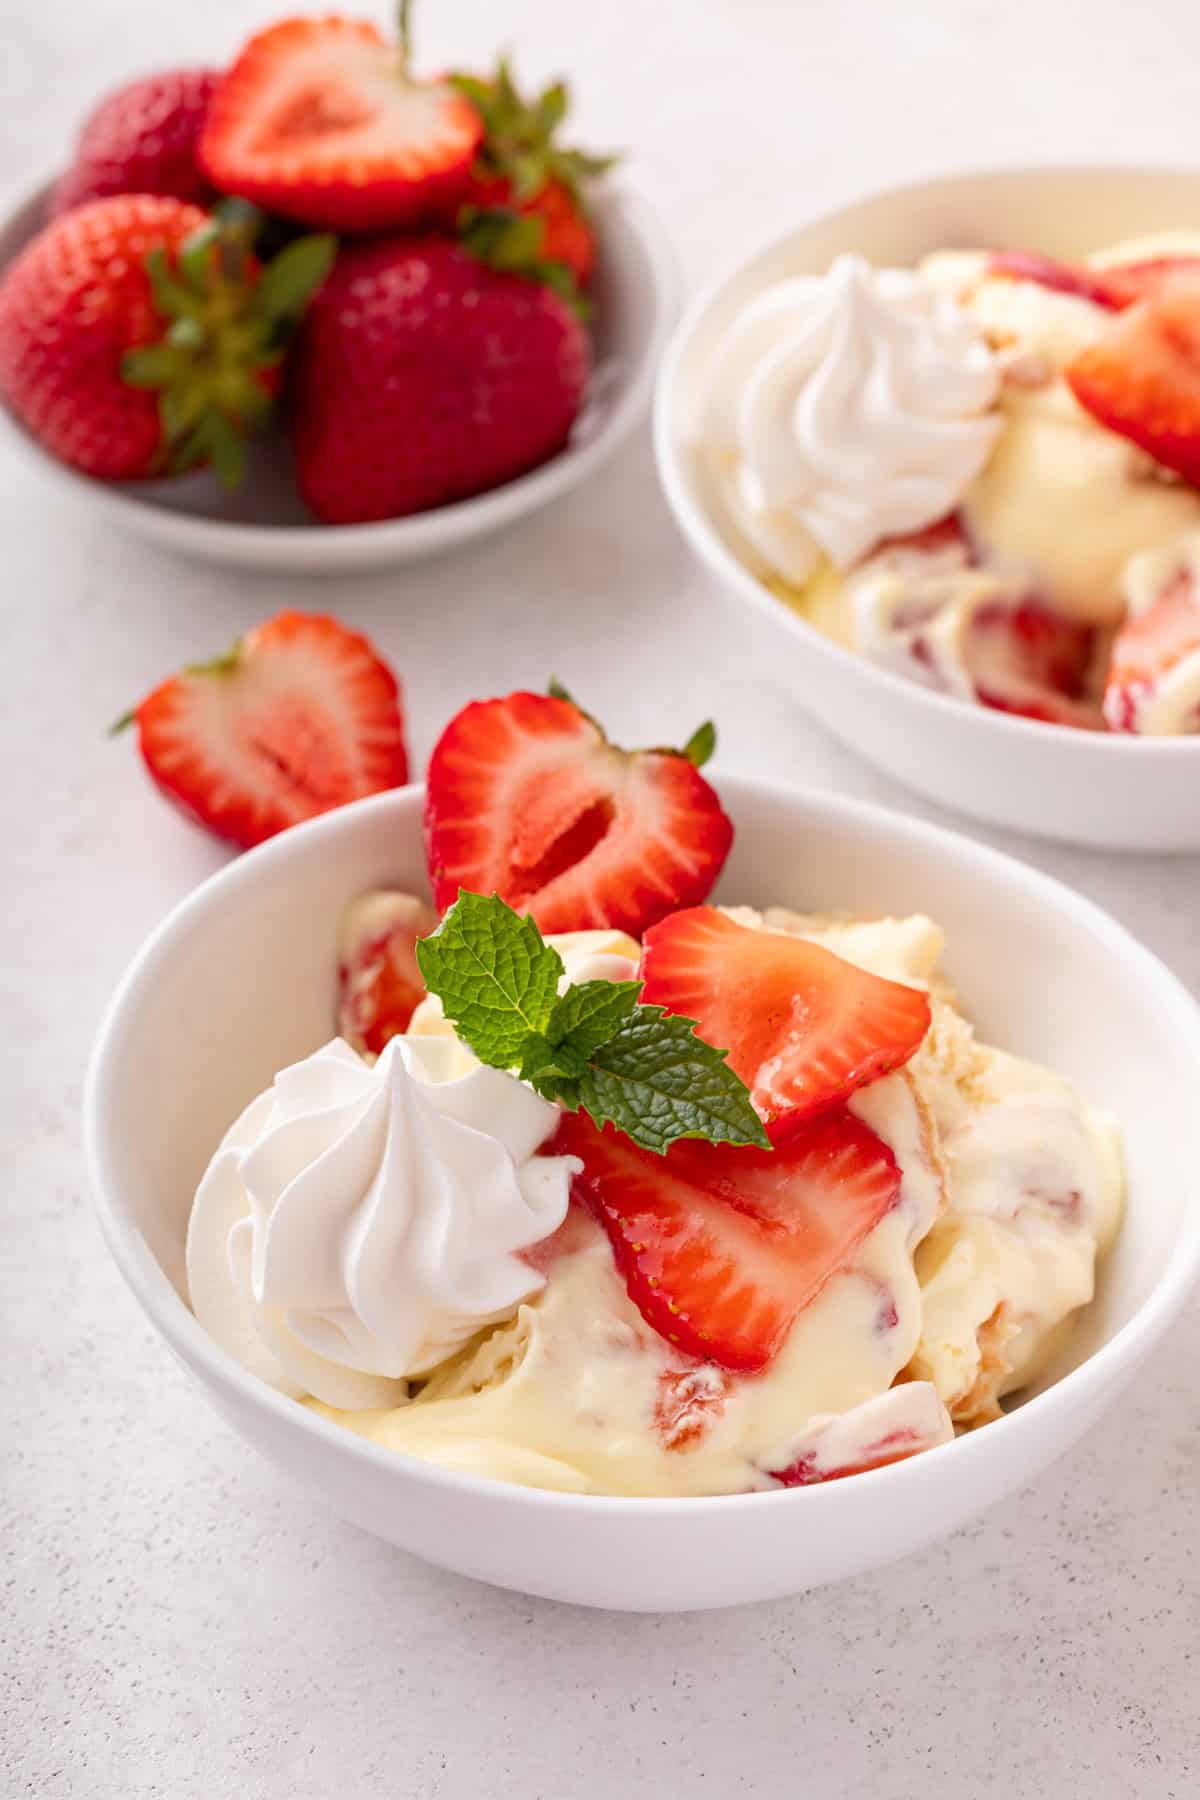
<point x="1149" y="646"/>
<point x="318" y="121"/>
<point x="301" y="718"/>
<point x="379" y="982"/>
<point x="723" y="1247"/>
<point x="804" y="1028"/>
<point x="526" y="798"/>
<point x="1142" y="378"/>
<point x="1063" y="278"/>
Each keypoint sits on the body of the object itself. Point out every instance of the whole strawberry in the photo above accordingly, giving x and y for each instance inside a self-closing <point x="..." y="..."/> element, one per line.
<point x="142" y="140"/>
<point x="138" y="337"/>
<point x="519" y="166"/>
<point x="422" y="375"/>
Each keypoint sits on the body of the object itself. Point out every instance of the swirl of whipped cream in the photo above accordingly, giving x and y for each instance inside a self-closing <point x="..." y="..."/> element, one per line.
<point x="844" y="409"/>
<point x="357" y="1224"/>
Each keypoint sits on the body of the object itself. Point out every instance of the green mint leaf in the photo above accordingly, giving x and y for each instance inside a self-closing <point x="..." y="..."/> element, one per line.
<point x="656" y="1081"/>
<point x="496" y="977"/>
<point x="591" y="1013"/>
<point x="543" y="1063"/>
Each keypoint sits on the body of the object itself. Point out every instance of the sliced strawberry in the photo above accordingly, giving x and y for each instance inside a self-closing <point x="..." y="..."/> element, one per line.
<point x="1142" y="379"/>
<point x="907" y="1419"/>
<point x="1025" y="659"/>
<point x="1065" y="278"/>
<point x="1131" y="282"/>
<point x="1150" y="646"/>
<point x="379" y="983"/>
<point x="802" y="1026"/>
<point x="526" y="798"/>
<point x="722" y="1247"/>
<point x="299" y="717"/>
<point x="319" y="121"/>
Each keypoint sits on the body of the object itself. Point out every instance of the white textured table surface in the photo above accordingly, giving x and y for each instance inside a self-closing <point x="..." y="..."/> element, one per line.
<point x="173" y="1622"/>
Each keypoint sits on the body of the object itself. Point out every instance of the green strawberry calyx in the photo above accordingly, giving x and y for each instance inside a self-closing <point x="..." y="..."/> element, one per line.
<point x="519" y="137"/>
<point x="511" y="242"/>
<point x="227" y="323"/>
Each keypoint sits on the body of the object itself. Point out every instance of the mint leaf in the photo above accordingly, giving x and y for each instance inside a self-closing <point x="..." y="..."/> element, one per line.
<point x="496" y="976"/>
<point x="636" y="1067"/>
<point x="590" y="1013"/>
<point x="543" y="1062"/>
<point x="657" y="1081"/>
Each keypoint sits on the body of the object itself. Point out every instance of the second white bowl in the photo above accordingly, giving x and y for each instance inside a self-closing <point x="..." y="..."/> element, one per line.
<point x="1117" y="792"/>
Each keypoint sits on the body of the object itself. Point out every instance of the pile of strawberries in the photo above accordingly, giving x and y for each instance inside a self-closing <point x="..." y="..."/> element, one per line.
<point x="422" y="314"/>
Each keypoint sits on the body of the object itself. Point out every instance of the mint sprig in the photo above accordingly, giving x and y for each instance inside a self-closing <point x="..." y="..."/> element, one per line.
<point x="595" y="1046"/>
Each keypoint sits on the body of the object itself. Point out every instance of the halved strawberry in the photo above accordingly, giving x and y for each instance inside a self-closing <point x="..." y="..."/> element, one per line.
<point x="1063" y="278"/>
<point x="802" y="1026"/>
<point x="526" y="798"/>
<point x="300" y="716"/>
<point x="379" y="983"/>
<point x="1142" y="378"/>
<point x="1150" y="646"/>
<point x="319" y="120"/>
<point x="720" y="1246"/>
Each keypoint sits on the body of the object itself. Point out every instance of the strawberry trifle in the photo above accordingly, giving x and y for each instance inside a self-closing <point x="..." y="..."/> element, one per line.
<point x="606" y="1189"/>
<point x="982" y="474"/>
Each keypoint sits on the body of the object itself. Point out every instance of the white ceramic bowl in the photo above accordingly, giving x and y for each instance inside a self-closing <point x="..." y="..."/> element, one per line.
<point x="1117" y="792"/>
<point x="239" y="981"/>
<point x="264" y="524"/>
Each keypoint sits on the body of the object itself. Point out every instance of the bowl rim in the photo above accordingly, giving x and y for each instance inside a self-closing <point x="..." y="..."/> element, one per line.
<point x="439" y="526"/>
<point x="696" y="523"/>
<point x="183" y="1333"/>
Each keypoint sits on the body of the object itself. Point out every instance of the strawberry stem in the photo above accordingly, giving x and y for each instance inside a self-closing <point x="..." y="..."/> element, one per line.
<point x="404" y="30"/>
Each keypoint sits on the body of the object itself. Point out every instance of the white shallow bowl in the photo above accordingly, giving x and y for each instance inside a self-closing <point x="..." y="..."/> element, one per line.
<point x="239" y="981"/>
<point x="264" y="524"/>
<point x="1118" y="792"/>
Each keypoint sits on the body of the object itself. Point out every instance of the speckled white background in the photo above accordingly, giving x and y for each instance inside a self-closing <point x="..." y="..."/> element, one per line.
<point x="173" y="1622"/>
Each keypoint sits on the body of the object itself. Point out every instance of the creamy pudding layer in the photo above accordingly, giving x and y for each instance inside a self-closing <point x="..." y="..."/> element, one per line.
<point x="1011" y="1189"/>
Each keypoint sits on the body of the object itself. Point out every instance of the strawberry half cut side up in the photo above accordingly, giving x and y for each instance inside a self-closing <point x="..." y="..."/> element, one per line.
<point x="722" y="1247"/>
<point x="804" y="1028"/>
<point x="299" y="717"/>
<point x="526" y="798"/>
<point x="1142" y="378"/>
<point x="320" y="121"/>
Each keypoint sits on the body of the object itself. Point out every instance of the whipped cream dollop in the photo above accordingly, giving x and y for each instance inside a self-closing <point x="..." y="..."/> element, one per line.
<point x="845" y="409"/>
<point x="358" y="1224"/>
